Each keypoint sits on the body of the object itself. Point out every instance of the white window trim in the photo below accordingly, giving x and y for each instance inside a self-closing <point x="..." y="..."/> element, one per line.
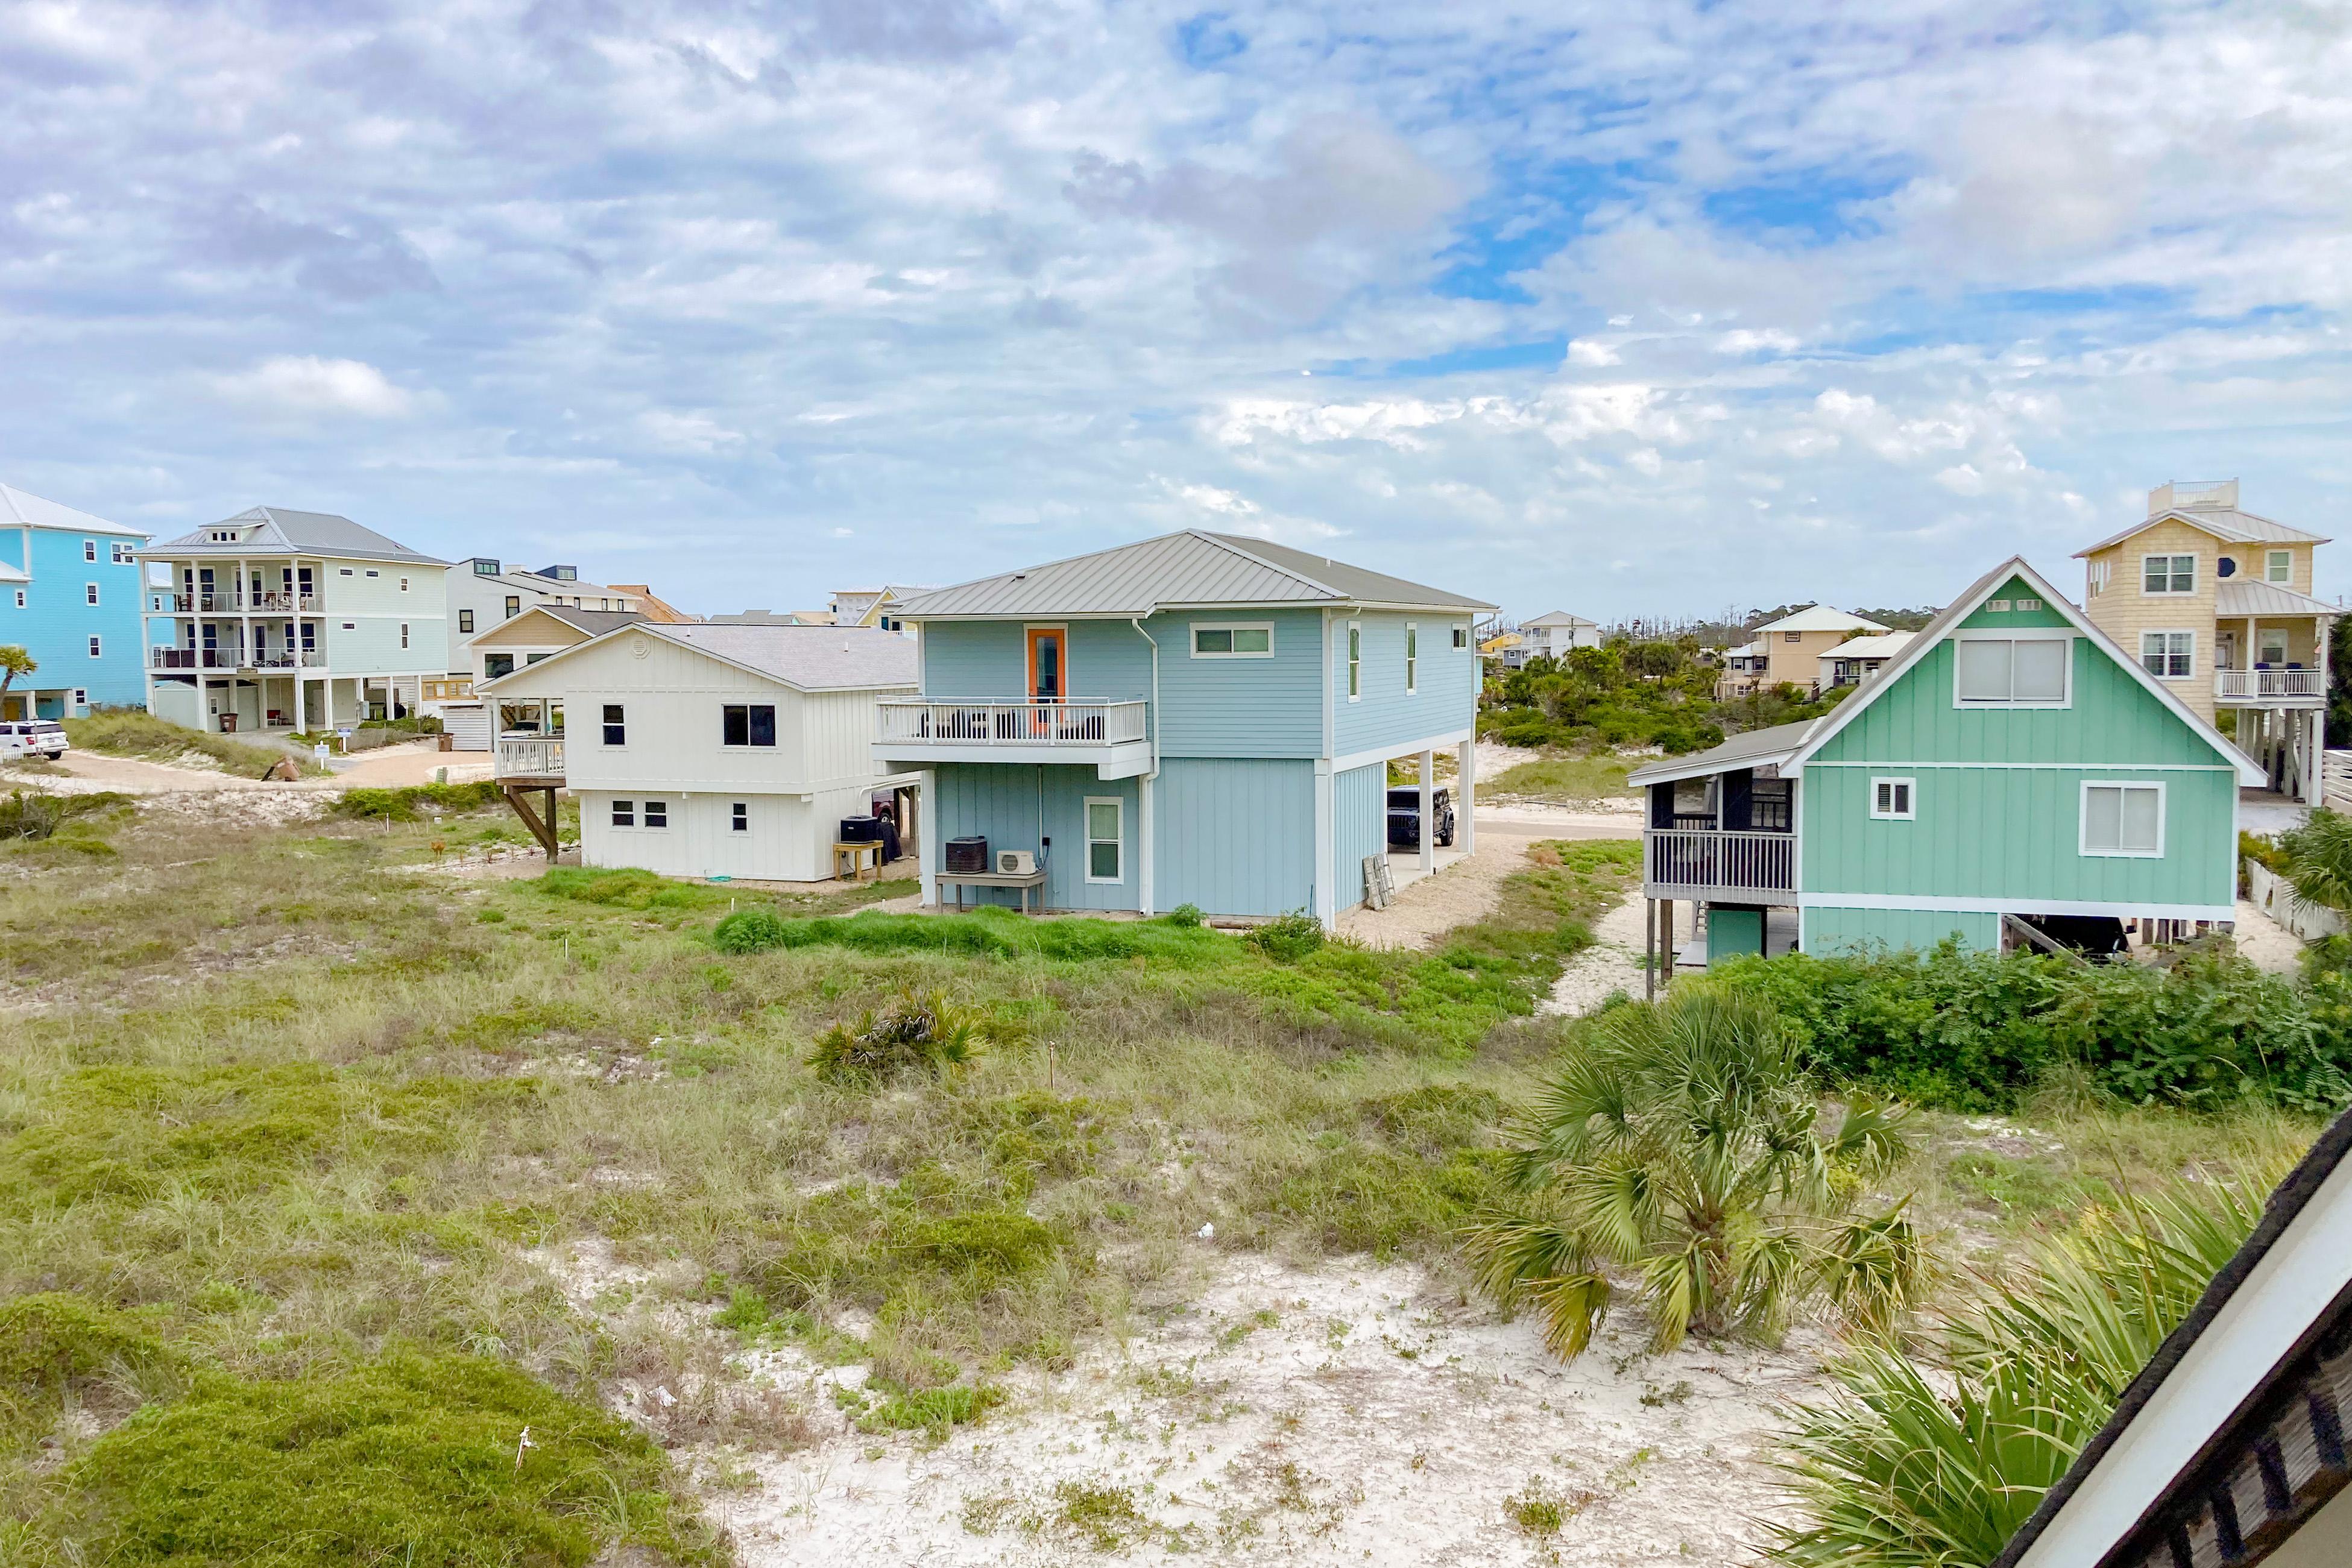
<point x="661" y="827"/>
<point x="1087" y="837"/>
<point x="2188" y="632"/>
<point x="1413" y="658"/>
<point x="1460" y="639"/>
<point x="89" y="594"/>
<point x="1197" y="627"/>
<point x="97" y="648"/>
<point x="2168" y="592"/>
<point x="2261" y="640"/>
<point x="2021" y="634"/>
<point x="2083" y="818"/>
<point x="613" y="806"/>
<point x="603" y="724"/>
<point x="2272" y="559"/>
<point x="745" y="807"/>
<point x="1351" y="649"/>
<point x="1910" y="785"/>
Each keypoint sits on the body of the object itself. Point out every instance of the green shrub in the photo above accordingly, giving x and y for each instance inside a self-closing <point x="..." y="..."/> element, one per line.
<point x="133" y="733"/>
<point x="410" y="802"/>
<point x="926" y="1031"/>
<point x="55" y="1340"/>
<point x="1183" y="915"/>
<point x="412" y="1458"/>
<point x="627" y="888"/>
<point x="1288" y="938"/>
<point x="750" y="931"/>
<point x="931" y="1409"/>
<point x="989" y="932"/>
<point x="34" y="816"/>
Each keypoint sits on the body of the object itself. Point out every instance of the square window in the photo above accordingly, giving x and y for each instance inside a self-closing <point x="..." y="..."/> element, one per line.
<point x="2280" y="566"/>
<point x="2169" y="655"/>
<point x="616" y="730"/>
<point x="1105" y="856"/>
<point x="746" y="724"/>
<point x="657" y="814"/>
<point x="1891" y="800"/>
<point x="740" y="817"/>
<point x="2167" y="574"/>
<point x="2124" y="820"/>
<point x="624" y="814"/>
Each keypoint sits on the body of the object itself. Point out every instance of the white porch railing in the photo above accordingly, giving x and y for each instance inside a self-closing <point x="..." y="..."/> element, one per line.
<point x="1692" y="863"/>
<point x="2246" y="685"/>
<point x="531" y="757"/>
<point x="1012" y="725"/>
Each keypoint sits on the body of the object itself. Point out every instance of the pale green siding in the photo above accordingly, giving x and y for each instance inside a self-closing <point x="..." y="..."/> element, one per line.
<point x="1986" y="618"/>
<point x="1731" y="933"/>
<point x="1836" y="930"/>
<point x="1360" y="826"/>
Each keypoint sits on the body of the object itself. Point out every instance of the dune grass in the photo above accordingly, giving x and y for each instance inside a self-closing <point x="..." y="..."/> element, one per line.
<point x="1565" y="777"/>
<point x="153" y="740"/>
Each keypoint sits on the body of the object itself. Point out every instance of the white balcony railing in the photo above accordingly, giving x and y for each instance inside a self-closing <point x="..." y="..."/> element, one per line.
<point x="531" y="757"/>
<point x="1688" y="863"/>
<point x="1012" y="725"/>
<point x="2249" y="685"/>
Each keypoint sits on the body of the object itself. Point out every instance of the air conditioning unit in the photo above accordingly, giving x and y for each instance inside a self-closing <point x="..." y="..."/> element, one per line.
<point x="1015" y="862"/>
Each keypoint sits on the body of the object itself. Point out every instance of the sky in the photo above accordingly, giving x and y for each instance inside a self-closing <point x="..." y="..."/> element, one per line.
<point x="1645" y="309"/>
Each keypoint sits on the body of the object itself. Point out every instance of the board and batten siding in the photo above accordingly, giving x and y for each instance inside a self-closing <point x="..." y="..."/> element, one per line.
<point x="788" y="840"/>
<point x="1831" y="929"/>
<point x="1235" y="835"/>
<point x="1445" y="699"/>
<point x="1360" y="826"/>
<point x="1017" y="806"/>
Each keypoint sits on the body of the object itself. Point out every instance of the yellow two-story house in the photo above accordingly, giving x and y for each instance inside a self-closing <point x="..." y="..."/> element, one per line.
<point x="2217" y="603"/>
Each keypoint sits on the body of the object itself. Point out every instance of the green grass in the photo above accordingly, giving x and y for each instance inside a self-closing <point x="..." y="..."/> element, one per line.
<point x="159" y="740"/>
<point x="1566" y="777"/>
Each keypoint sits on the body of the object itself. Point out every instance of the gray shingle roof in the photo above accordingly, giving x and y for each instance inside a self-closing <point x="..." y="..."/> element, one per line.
<point x="813" y="658"/>
<point x="2236" y="596"/>
<point x="1180" y="569"/>
<point x="283" y="528"/>
<point x="595" y="622"/>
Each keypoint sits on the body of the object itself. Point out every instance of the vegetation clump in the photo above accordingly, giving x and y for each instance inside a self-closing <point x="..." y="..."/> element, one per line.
<point x="1287" y="938"/>
<point x="410" y="802"/>
<point x="32" y="817"/>
<point x="451" y="1460"/>
<point x="924" y="1031"/>
<point x="1681" y="1141"/>
<point x="133" y="732"/>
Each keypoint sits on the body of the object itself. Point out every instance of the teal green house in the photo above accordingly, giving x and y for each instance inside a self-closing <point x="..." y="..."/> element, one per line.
<point x="2013" y="761"/>
<point x="1197" y="718"/>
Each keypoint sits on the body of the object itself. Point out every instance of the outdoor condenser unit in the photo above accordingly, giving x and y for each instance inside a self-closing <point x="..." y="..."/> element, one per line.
<point x="1015" y="862"/>
<point x="966" y="856"/>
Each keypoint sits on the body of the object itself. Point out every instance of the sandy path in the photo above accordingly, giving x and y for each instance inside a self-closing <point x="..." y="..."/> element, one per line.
<point x="1346" y="1413"/>
<point x="1614" y="962"/>
<point x="1470" y="889"/>
<point x="390" y="767"/>
<point x="2264" y="943"/>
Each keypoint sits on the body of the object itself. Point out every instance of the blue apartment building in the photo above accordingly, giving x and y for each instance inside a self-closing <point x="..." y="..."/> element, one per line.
<point x="69" y="596"/>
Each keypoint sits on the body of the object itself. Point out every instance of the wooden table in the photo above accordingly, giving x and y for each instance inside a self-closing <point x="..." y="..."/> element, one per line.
<point x="959" y="880"/>
<point x="851" y="858"/>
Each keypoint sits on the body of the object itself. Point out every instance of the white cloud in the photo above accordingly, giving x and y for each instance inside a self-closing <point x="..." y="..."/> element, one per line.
<point x="688" y="432"/>
<point x="1590" y="352"/>
<point x="304" y="384"/>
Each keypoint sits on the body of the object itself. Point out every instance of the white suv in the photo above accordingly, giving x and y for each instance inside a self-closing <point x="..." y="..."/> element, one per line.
<point x="22" y="738"/>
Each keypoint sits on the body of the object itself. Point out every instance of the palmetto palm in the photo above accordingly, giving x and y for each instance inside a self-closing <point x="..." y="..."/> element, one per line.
<point x="1680" y="1143"/>
<point x="2319" y="861"/>
<point x="1908" y="1469"/>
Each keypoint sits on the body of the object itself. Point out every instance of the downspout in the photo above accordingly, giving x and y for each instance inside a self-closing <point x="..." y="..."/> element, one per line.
<point x="1146" y="840"/>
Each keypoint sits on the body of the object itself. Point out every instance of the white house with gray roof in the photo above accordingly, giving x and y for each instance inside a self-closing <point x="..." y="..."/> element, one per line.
<point x="1198" y="718"/>
<point x="276" y="619"/>
<point x="705" y="751"/>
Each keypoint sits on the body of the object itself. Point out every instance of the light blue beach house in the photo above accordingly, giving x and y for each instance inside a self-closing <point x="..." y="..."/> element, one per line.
<point x="1195" y="718"/>
<point x="70" y="597"/>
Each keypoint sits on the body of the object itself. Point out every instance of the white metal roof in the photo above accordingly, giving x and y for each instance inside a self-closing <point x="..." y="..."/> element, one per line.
<point x="1884" y="645"/>
<point x="274" y="529"/>
<point x="2238" y="596"/>
<point x="10" y="574"/>
<point x="1180" y="569"/>
<point x="1820" y="618"/>
<point x="1560" y="618"/>
<point x="20" y="510"/>
<point x="808" y="658"/>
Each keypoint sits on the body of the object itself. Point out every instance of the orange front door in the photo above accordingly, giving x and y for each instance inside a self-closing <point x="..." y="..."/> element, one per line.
<point x="1048" y="674"/>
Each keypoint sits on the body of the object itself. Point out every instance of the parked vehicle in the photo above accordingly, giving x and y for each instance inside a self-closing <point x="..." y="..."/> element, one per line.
<point x="23" y="738"/>
<point x="1404" y="816"/>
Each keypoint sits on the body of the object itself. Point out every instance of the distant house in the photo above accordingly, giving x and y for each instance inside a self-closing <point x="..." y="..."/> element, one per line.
<point x="1789" y="649"/>
<point x="704" y="750"/>
<point x="2010" y="761"/>
<point x="2228" y="1446"/>
<point x="278" y="619"/>
<point x="69" y="596"/>
<point x="1851" y="662"/>
<point x="1551" y="636"/>
<point x="1196" y="719"/>
<point x="652" y="607"/>
<point x="870" y="606"/>
<point x="485" y="592"/>
<point x="2217" y="603"/>
<point x="537" y="633"/>
<point x="775" y="618"/>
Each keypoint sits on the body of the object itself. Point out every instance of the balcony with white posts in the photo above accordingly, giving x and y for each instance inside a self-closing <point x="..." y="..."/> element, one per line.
<point x="1114" y="738"/>
<point x="2269" y="687"/>
<point x="525" y="757"/>
<point x="1718" y="867"/>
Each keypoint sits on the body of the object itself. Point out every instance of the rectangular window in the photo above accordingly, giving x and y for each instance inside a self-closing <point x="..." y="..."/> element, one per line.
<point x="657" y="814"/>
<point x="81" y="696"/>
<point x="1890" y="799"/>
<point x="404" y="633"/>
<point x="2028" y="604"/>
<point x="20" y="599"/>
<point x="372" y="572"/>
<point x="2122" y="819"/>
<point x="483" y="567"/>
<point x="2169" y="655"/>
<point x="746" y="724"/>
<point x="1355" y="660"/>
<point x="2011" y="672"/>
<point x="616" y="731"/>
<point x="1790" y="636"/>
<point x="2167" y="574"/>
<point x="96" y="649"/>
<point x="1232" y="642"/>
<point x="497" y="665"/>
<point x="624" y="814"/>
<point x="465" y="621"/>
<point x="740" y="817"/>
<point x="1106" y="858"/>
<point x="514" y="605"/>
<point x="2273" y="646"/>
<point x="345" y="571"/>
<point x="1411" y="658"/>
<point x="123" y="554"/>
<point x="404" y="585"/>
<point x="350" y="626"/>
<point x="2280" y="566"/>
<point x="1462" y="636"/>
<point x="89" y="593"/>
<point x="89" y="549"/>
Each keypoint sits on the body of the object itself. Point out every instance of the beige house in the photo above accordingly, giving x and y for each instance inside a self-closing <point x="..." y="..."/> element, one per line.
<point x="2217" y="603"/>
<point x="1789" y="649"/>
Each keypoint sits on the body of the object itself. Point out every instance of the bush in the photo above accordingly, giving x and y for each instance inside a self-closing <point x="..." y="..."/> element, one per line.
<point x="55" y="1341"/>
<point x="35" y="816"/>
<point x="1289" y="938"/>
<point x="1974" y="1031"/>
<point x="410" y="1459"/>
<point x="410" y="802"/>
<point x="990" y="933"/>
<point x="627" y="888"/>
<point x="132" y="732"/>
<point x="752" y="931"/>
<point x="928" y="1032"/>
<point x="1183" y="915"/>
